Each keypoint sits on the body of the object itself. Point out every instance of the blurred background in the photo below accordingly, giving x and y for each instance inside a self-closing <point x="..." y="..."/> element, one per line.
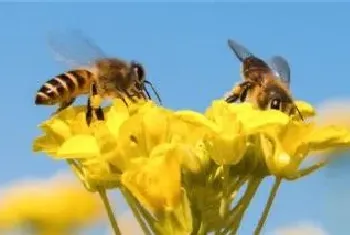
<point x="184" y="49"/>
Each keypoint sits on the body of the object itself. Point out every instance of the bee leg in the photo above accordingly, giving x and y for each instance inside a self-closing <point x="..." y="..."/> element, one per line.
<point x="144" y="96"/>
<point x="148" y="97"/>
<point x="88" y="114"/>
<point x="119" y="95"/>
<point x="100" y="114"/>
<point x="124" y="101"/>
<point x="232" y="98"/>
<point x="140" y="94"/>
<point x="140" y="90"/>
<point x="244" y="94"/>
<point x="62" y="106"/>
<point x="92" y="107"/>
<point x="130" y="96"/>
<point x="240" y="91"/>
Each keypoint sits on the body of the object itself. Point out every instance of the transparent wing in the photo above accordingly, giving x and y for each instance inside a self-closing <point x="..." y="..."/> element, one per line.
<point x="73" y="48"/>
<point x="280" y="67"/>
<point x="240" y="51"/>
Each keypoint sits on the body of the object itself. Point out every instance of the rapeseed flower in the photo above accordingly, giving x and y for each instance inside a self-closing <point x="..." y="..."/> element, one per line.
<point x="182" y="170"/>
<point x="286" y="148"/>
<point x="153" y="146"/>
<point x="66" y="136"/>
<point x="334" y="111"/>
<point x="50" y="206"/>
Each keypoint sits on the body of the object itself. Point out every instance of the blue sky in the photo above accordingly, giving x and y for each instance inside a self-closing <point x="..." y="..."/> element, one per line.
<point x="184" y="49"/>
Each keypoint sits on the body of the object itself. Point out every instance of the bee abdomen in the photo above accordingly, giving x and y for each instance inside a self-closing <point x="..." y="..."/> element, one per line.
<point x="64" y="87"/>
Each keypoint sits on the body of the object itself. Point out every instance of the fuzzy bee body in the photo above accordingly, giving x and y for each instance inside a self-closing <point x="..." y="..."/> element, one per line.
<point x="265" y="85"/>
<point x="106" y="77"/>
<point x="254" y="69"/>
<point x="271" y="94"/>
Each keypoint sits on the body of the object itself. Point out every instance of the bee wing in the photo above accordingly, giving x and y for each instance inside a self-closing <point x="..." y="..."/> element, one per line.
<point x="240" y="51"/>
<point x="281" y="69"/>
<point x="73" y="48"/>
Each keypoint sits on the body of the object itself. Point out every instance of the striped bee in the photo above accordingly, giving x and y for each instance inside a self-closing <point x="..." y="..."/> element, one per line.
<point x="266" y="85"/>
<point x="94" y="74"/>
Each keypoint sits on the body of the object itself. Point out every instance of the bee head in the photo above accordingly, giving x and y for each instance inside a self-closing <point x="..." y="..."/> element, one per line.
<point x="283" y="102"/>
<point x="139" y="70"/>
<point x="141" y="79"/>
<point x="278" y="99"/>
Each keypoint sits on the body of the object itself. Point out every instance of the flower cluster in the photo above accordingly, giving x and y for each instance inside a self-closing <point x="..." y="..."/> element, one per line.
<point x="180" y="171"/>
<point x="45" y="207"/>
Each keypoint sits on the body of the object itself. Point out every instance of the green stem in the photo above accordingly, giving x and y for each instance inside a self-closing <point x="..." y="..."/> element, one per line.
<point x="76" y="168"/>
<point x="249" y="194"/>
<point x="78" y="171"/>
<point x="111" y="217"/>
<point x="236" y="214"/>
<point x="225" y="192"/>
<point x="307" y="171"/>
<point x="135" y="211"/>
<point x="234" y="189"/>
<point x="144" y="213"/>
<point x="203" y="229"/>
<point x="267" y="209"/>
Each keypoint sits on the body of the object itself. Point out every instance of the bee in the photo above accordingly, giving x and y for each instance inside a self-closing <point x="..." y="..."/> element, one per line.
<point x="94" y="74"/>
<point x="267" y="85"/>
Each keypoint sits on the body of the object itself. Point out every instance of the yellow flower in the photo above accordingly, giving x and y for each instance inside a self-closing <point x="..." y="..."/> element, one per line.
<point x="170" y="161"/>
<point x="228" y="142"/>
<point x="157" y="182"/>
<point x="290" y="145"/>
<point x="334" y="111"/>
<point x="88" y="149"/>
<point x="306" y="109"/>
<point x="66" y="134"/>
<point x="152" y="148"/>
<point x="59" y="203"/>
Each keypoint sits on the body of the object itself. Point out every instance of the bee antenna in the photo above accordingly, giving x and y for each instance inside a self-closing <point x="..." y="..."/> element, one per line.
<point x="153" y="89"/>
<point x="145" y="89"/>
<point x="300" y="115"/>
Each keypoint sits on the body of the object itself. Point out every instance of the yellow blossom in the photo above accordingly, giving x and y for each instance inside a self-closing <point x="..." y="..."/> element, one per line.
<point x="306" y="109"/>
<point x="59" y="203"/>
<point x="334" y="111"/>
<point x="171" y="162"/>
<point x="157" y="182"/>
<point x="234" y="124"/>
<point x="289" y="146"/>
<point x="152" y="150"/>
<point x="67" y="136"/>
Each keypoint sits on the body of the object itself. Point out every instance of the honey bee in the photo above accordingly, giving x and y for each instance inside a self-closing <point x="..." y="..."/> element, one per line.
<point x="94" y="74"/>
<point x="267" y="85"/>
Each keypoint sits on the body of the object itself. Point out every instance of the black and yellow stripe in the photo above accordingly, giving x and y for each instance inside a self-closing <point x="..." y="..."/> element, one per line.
<point x="63" y="87"/>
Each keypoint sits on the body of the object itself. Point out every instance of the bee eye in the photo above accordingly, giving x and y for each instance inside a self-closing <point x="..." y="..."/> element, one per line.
<point x="139" y="70"/>
<point x="275" y="104"/>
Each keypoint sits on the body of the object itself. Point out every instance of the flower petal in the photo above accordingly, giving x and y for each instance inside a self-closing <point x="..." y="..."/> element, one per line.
<point x="79" y="146"/>
<point x="155" y="127"/>
<point x="329" y="137"/>
<point x="306" y="109"/>
<point x="156" y="184"/>
<point x="46" y="144"/>
<point x="279" y="162"/>
<point x="116" y="115"/>
<point x="256" y="120"/>
<point x="226" y="148"/>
